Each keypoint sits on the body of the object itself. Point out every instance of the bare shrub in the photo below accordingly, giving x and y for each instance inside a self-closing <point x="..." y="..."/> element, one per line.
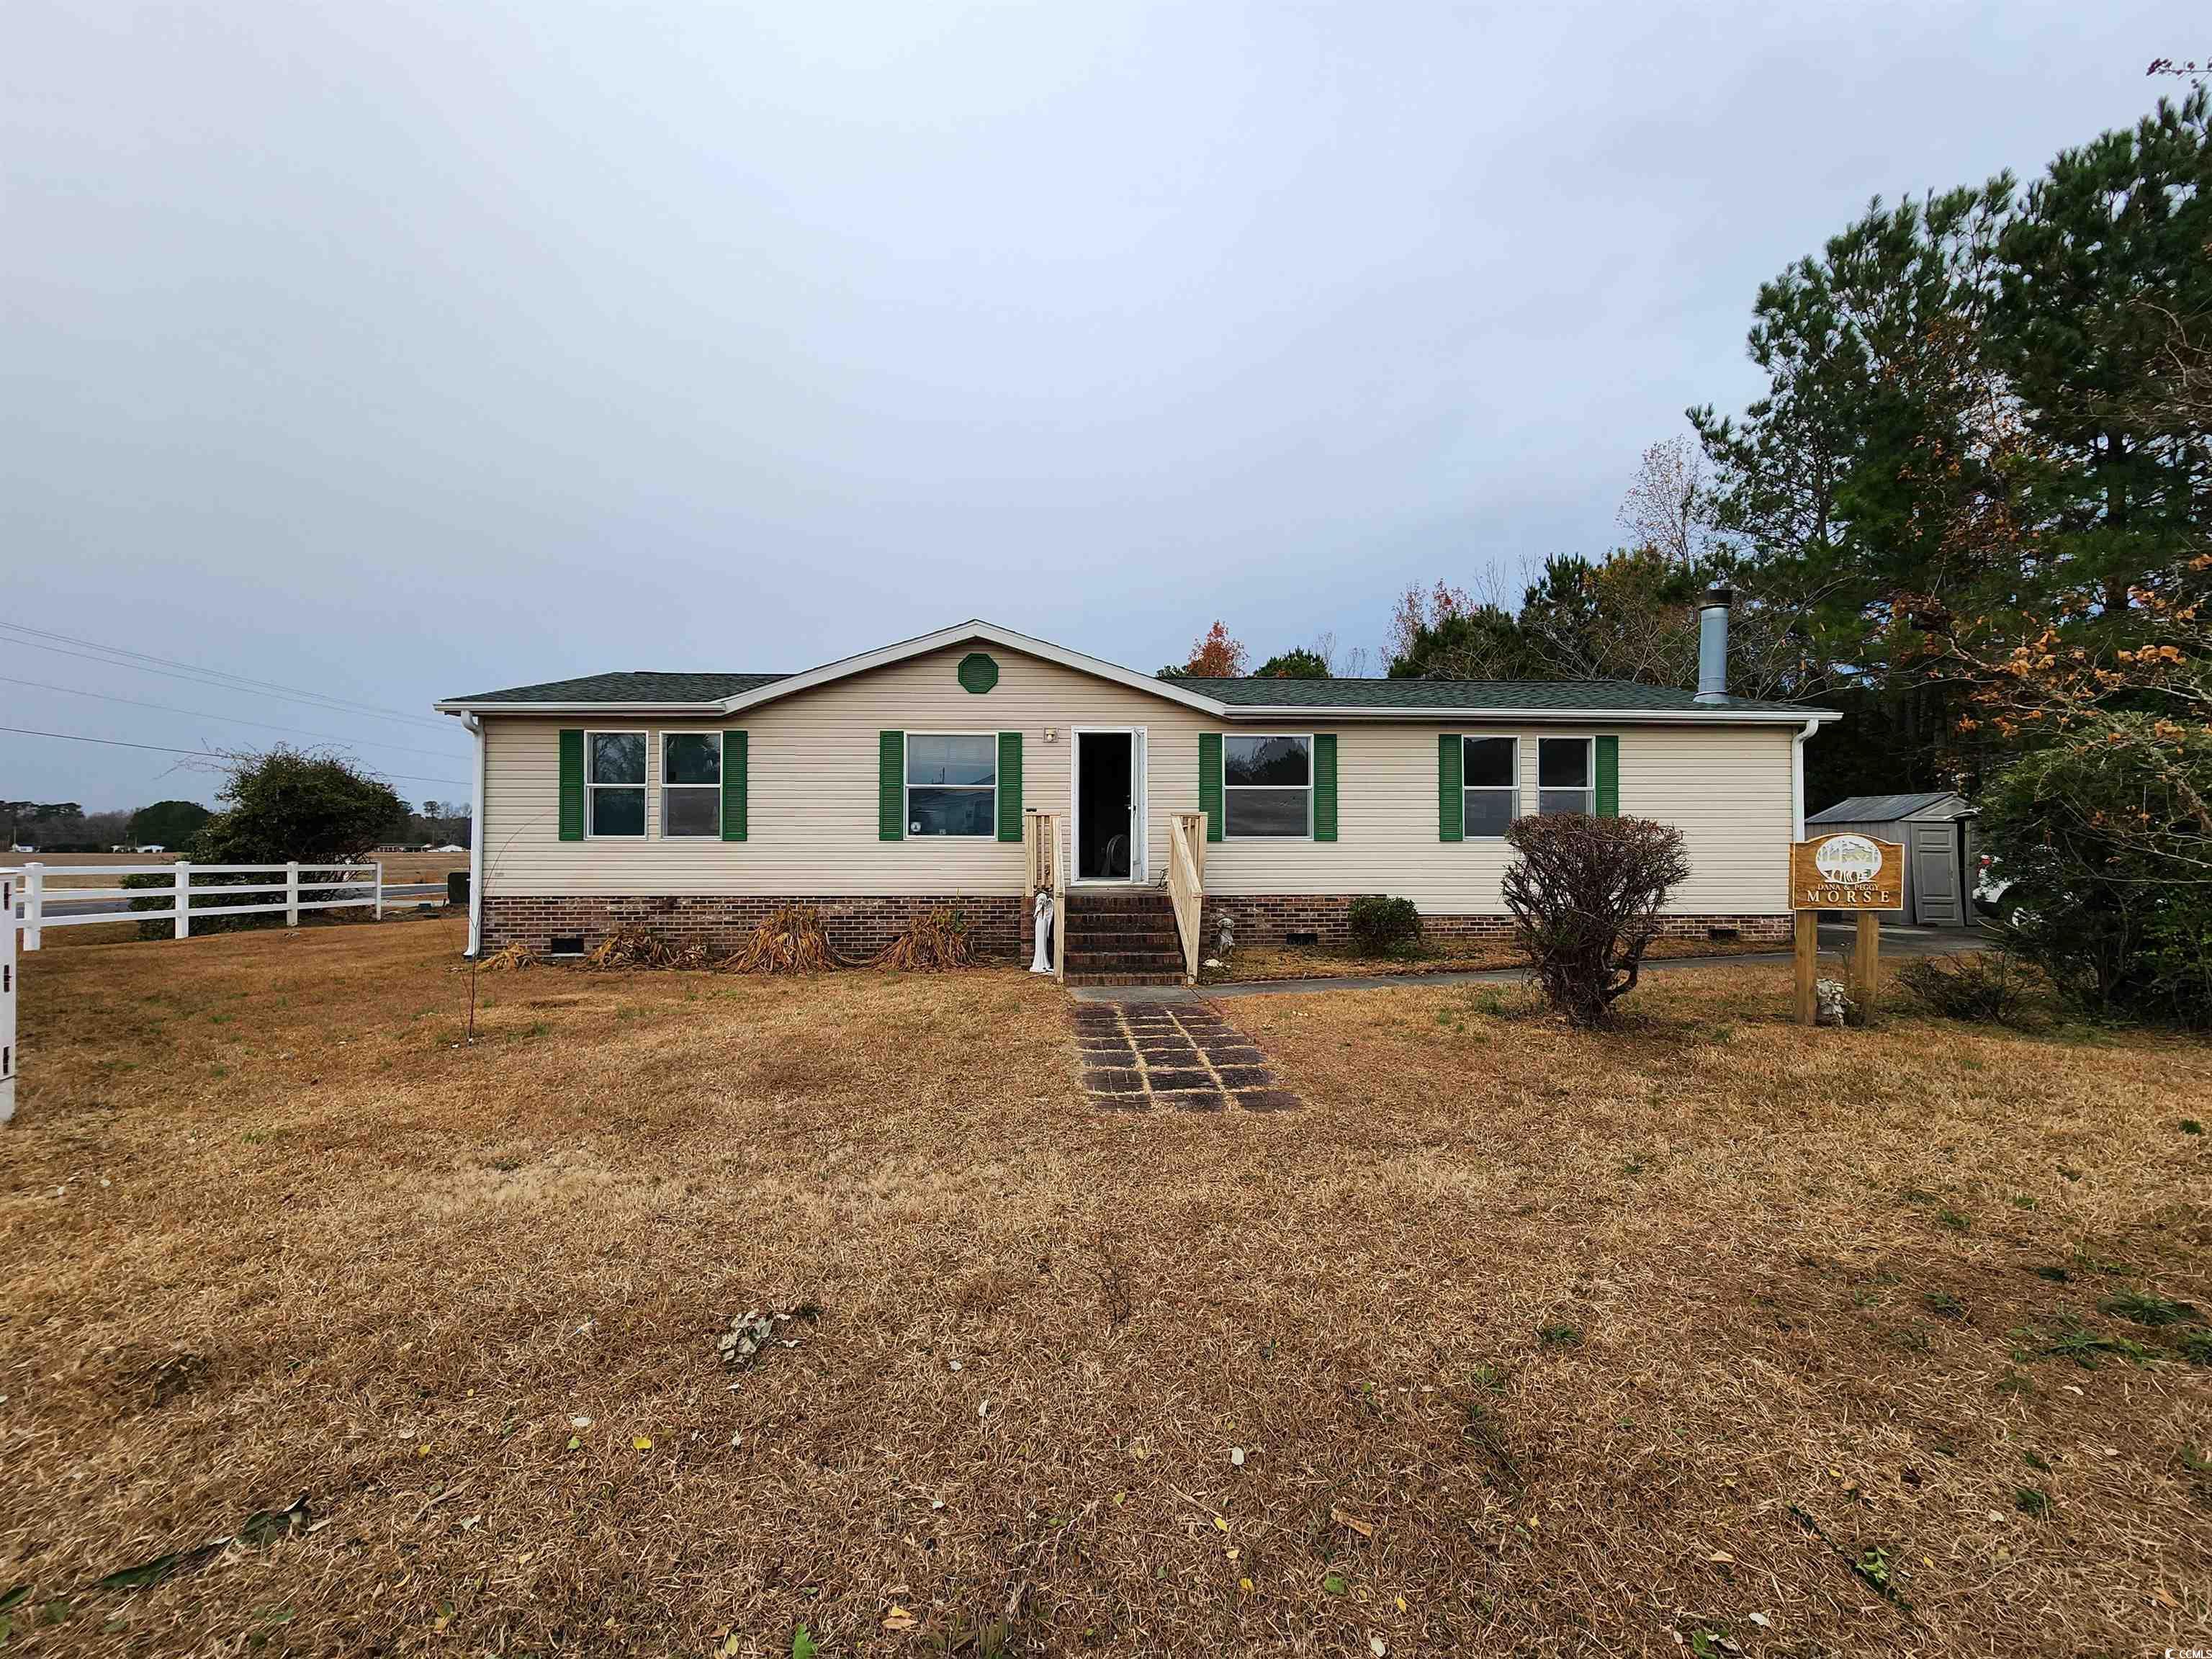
<point x="1585" y="894"/>
<point x="1980" y="986"/>
<point x="940" y="938"/>
<point x="791" y="940"/>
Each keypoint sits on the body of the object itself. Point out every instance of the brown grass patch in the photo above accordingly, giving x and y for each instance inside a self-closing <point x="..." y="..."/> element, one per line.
<point x="269" y="1230"/>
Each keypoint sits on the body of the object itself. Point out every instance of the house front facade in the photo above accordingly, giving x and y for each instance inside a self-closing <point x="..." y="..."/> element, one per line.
<point x="692" y="805"/>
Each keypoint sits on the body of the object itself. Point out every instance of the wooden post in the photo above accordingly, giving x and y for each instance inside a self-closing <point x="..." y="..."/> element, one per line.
<point x="1865" y="962"/>
<point x="184" y="898"/>
<point x="8" y="880"/>
<point x="1808" y="965"/>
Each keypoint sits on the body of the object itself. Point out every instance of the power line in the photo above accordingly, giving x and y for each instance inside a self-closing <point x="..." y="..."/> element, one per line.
<point x="233" y="720"/>
<point x="202" y="754"/>
<point x="115" y="656"/>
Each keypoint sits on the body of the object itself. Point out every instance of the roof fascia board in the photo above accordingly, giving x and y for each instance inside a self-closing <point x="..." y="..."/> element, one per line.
<point x="1534" y="716"/>
<point x="960" y="633"/>
<point x="705" y="711"/>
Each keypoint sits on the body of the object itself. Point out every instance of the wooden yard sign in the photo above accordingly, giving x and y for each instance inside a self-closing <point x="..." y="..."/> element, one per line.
<point x="1843" y="872"/>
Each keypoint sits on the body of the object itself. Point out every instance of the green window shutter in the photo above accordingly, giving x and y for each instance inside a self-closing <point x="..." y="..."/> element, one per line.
<point x="890" y="786"/>
<point x="1324" y="762"/>
<point x="1451" y="804"/>
<point x="1010" y="785"/>
<point x="572" y="783"/>
<point x="734" y="759"/>
<point x="1209" y="782"/>
<point x="1608" y="777"/>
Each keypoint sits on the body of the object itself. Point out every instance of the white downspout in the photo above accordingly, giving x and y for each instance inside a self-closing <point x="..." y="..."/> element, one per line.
<point x="1797" y="779"/>
<point x="477" y="841"/>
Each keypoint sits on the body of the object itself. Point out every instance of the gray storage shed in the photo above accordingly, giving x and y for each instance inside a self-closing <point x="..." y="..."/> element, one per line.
<point x="1937" y="829"/>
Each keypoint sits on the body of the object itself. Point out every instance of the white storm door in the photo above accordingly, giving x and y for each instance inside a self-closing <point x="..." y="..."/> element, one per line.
<point x="1139" y="812"/>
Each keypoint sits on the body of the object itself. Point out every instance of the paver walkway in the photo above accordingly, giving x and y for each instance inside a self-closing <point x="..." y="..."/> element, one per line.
<point x="1182" y="1056"/>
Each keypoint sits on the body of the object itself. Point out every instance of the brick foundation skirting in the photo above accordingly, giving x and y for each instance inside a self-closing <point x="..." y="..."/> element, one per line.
<point x="1267" y="920"/>
<point x="858" y="927"/>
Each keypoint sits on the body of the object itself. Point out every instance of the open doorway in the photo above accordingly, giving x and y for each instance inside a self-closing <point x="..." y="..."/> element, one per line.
<point x="1105" y="806"/>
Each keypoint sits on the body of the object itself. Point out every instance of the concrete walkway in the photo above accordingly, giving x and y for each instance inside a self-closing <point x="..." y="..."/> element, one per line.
<point x="1896" y="943"/>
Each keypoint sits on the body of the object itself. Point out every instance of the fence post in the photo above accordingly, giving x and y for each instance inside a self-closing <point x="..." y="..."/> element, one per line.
<point x="8" y="882"/>
<point x="34" y="903"/>
<point x="184" y="898"/>
<point x="291" y="894"/>
<point x="380" y="890"/>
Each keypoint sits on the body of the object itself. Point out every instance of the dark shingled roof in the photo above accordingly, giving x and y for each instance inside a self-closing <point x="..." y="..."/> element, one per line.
<point x="1380" y="696"/>
<point x="1881" y="809"/>
<point x="1537" y="694"/>
<point x="639" y="687"/>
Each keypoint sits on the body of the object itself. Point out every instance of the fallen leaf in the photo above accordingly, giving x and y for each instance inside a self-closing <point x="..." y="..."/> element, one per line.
<point x="1244" y="1584"/>
<point x="1717" y="1555"/>
<point x="1374" y="1646"/>
<point x="1401" y="1604"/>
<point x="1358" y="1526"/>
<point x="574" y="1443"/>
<point x="642" y="1442"/>
<point x="898" y="1618"/>
<point x="1236" y="1456"/>
<point x="1762" y="1620"/>
<point x="1221" y="1523"/>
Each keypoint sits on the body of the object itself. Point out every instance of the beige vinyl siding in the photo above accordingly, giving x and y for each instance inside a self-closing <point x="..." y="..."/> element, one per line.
<point x="812" y="779"/>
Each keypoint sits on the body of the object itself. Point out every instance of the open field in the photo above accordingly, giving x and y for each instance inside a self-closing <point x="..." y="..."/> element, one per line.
<point x="1511" y="1340"/>
<point x="398" y="867"/>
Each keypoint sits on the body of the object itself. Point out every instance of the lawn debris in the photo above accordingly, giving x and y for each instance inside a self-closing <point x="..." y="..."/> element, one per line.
<point x="1870" y="1565"/>
<point x="512" y="959"/>
<point x="939" y="939"/>
<point x="641" y="947"/>
<point x="753" y="1333"/>
<point x="790" y="941"/>
<point x="258" y="1530"/>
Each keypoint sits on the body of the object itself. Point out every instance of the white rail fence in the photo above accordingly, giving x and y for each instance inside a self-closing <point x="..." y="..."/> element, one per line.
<point x="357" y="885"/>
<point x="25" y="899"/>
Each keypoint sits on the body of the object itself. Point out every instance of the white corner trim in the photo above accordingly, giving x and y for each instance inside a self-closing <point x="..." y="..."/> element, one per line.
<point x="477" y="841"/>
<point x="962" y="634"/>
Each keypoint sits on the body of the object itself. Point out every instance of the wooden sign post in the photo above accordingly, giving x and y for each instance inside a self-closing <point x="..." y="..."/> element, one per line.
<point x="1845" y="872"/>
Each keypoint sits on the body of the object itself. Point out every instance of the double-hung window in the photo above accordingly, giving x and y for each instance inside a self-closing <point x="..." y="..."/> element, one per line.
<point x="1565" y="776"/>
<point x="614" y="781"/>
<point x="691" y="784"/>
<point x="1266" y="786"/>
<point x="951" y="783"/>
<point x="1490" y="771"/>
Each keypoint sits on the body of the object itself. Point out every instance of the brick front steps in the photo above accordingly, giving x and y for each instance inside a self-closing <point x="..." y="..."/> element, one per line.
<point x="1122" y="936"/>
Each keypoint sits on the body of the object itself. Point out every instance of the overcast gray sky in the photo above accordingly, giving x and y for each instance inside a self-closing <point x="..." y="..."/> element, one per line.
<point x="405" y="350"/>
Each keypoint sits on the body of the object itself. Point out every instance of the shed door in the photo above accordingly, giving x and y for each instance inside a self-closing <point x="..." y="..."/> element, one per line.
<point x="1933" y="850"/>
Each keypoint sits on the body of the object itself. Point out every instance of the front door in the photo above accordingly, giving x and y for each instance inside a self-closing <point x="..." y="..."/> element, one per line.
<point x="1106" y="790"/>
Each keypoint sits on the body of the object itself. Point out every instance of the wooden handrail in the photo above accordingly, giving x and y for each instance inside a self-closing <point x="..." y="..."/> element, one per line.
<point x="1058" y="900"/>
<point x="1044" y="864"/>
<point x="1187" y="883"/>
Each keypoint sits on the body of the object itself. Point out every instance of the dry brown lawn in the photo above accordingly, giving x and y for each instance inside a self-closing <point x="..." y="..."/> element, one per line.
<point x="1530" y="1342"/>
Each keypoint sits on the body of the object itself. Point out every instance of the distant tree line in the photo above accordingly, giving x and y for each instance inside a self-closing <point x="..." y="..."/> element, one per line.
<point x="177" y="825"/>
<point x="1972" y="509"/>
